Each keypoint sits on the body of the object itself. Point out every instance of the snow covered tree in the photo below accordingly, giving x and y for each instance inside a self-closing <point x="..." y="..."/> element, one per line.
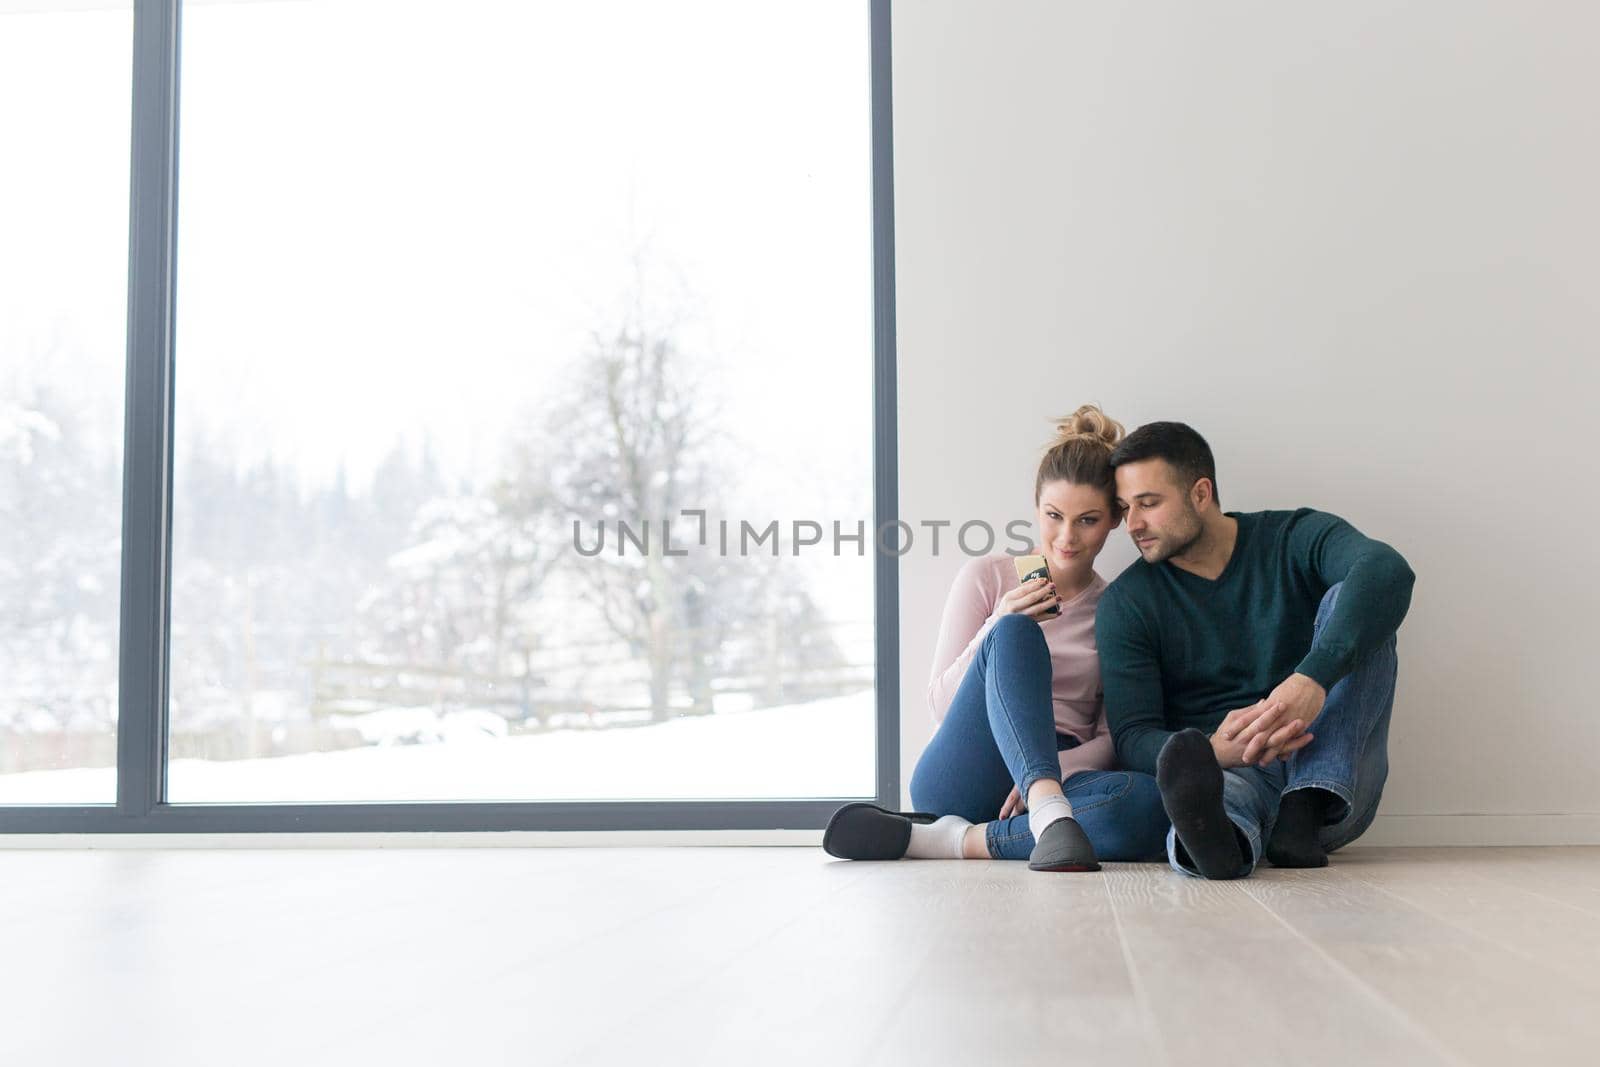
<point x="638" y="439"/>
<point x="636" y="445"/>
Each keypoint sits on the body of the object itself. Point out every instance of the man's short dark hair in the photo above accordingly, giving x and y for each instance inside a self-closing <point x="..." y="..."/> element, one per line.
<point x="1183" y="449"/>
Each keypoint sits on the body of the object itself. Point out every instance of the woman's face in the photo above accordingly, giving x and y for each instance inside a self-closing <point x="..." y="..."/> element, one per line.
<point x="1074" y="522"/>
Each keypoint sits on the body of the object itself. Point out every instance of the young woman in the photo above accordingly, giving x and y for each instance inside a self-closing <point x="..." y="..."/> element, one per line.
<point x="1020" y="765"/>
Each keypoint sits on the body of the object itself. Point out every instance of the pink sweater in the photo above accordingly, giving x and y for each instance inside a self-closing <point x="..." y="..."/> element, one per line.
<point x="1075" y="663"/>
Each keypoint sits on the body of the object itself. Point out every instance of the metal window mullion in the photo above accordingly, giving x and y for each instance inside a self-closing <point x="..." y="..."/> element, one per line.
<point x="885" y="480"/>
<point x="147" y="438"/>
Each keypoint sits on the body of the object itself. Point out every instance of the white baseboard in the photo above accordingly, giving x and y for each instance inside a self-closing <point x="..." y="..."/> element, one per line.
<point x="1462" y="830"/>
<point x="1482" y="829"/>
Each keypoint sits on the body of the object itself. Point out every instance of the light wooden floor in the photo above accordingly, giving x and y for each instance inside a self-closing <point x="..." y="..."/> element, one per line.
<point x="779" y="955"/>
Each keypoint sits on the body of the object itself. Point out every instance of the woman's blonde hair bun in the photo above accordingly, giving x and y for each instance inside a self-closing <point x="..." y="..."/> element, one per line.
<point x="1089" y="423"/>
<point x="1081" y="453"/>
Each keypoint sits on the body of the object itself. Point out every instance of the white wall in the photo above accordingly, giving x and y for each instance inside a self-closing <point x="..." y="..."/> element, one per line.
<point x="1357" y="246"/>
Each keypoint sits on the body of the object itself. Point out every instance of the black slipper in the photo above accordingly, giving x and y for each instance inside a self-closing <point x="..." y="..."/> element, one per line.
<point x="868" y="832"/>
<point x="1063" y="847"/>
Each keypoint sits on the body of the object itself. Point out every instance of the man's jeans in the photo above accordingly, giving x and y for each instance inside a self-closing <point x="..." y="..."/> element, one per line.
<point x="1349" y="758"/>
<point x="1000" y="729"/>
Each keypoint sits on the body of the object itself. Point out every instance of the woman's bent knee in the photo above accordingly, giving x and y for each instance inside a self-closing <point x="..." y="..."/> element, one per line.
<point x="1015" y="627"/>
<point x="1014" y="621"/>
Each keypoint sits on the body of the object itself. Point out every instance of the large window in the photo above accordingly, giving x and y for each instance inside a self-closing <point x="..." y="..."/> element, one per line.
<point x="530" y="388"/>
<point x="64" y="98"/>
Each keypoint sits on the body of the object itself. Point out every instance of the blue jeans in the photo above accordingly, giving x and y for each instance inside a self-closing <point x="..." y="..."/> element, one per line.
<point x="1000" y="730"/>
<point x="1349" y="758"/>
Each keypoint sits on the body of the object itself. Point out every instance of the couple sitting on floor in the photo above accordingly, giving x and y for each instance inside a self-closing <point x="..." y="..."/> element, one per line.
<point x="1226" y="698"/>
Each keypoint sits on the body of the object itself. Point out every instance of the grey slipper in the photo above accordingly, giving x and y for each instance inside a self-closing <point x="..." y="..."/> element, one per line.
<point x="1063" y="847"/>
<point x="868" y="832"/>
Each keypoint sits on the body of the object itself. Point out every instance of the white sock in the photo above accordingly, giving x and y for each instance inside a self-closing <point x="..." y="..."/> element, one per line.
<point x="937" y="840"/>
<point x="1046" y="812"/>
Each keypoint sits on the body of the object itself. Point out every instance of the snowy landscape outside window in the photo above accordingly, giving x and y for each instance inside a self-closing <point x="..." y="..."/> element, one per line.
<point x="451" y="277"/>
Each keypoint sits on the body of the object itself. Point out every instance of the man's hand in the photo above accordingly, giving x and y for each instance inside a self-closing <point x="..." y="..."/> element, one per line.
<point x="1228" y="750"/>
<point x="1232" y="745"/>
<point x="1298" y="699"/>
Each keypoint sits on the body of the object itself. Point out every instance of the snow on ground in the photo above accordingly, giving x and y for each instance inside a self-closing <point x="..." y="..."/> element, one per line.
<point x="821" y="749"/>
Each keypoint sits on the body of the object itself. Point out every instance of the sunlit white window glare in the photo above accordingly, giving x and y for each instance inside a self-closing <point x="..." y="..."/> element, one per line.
<point x="65" y="98"/>
<point x="453" y="276"/>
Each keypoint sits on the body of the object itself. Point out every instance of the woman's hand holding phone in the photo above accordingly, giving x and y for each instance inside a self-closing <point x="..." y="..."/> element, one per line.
<point x="1033" y="598"/>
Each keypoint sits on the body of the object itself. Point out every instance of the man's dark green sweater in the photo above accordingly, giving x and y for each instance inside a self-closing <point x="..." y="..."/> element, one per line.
<point x="1178" y="650"/>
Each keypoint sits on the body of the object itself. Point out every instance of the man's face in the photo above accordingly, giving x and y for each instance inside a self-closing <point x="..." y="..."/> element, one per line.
<point x="1161" y="518"/>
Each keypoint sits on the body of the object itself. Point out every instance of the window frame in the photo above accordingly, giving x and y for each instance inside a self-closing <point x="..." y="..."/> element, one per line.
<point x="145" y="610"/>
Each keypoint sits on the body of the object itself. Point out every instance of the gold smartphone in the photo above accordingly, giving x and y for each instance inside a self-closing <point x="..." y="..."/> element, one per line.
<point x="1031" y="567"/>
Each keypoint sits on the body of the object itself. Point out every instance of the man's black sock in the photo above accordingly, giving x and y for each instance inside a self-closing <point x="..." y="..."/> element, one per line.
<point x="1294" y="837"/>
<point x="1191" y="791"/>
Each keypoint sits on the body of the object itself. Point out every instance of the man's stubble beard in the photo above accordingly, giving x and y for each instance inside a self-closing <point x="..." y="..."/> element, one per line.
<point x="1196" y="528"/>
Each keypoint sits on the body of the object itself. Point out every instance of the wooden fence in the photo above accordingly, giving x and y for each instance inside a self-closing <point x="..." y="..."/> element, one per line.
<point x="612" y="686"/>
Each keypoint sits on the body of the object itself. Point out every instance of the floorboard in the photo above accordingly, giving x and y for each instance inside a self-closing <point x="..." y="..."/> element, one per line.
<point x="781" y="955"/>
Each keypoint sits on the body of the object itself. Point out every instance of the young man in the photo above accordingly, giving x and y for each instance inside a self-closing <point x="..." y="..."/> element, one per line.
<point x="1248" y="662"/>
